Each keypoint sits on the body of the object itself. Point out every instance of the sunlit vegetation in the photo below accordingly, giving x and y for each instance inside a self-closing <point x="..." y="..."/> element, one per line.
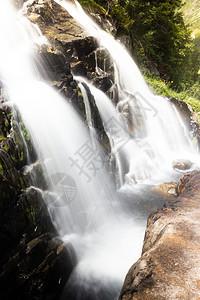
<point x="190" y="95"/>
<point x="162" y="42"/>
<point x="191" y="12"/>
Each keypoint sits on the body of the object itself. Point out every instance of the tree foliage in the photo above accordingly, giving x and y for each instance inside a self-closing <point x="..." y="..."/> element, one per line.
<point x="160" y="39"/>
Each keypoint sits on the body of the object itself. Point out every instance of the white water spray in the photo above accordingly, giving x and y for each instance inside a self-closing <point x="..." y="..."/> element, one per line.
<point x="160" y="136"/>
<point x="82" y="204"/>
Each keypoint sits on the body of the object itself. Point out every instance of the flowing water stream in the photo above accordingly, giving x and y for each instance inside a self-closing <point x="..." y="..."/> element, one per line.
<point x="106" y="227"/>
<point x="154" y="142"/>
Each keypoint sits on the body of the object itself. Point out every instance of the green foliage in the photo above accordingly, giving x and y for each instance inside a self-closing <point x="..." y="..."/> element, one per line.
<point x="93" y="6"/>
<point x="119" y="14"/>
<point x="190" y="95"/>
<point x="160" y="39"/>
<point x="191" y="12"/>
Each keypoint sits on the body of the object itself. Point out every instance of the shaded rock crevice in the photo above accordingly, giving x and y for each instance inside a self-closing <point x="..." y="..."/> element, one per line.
<point x="34" y="262"/>
<point x="189" y="118"/>
<point x="38" y="270"/>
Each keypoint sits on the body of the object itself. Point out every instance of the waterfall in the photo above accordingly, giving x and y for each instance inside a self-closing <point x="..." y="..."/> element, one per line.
<point x="82" y="200"/>
<point x="158" y="135"/>
<point x="60" y="137"/>
<point x="88" y="111"/>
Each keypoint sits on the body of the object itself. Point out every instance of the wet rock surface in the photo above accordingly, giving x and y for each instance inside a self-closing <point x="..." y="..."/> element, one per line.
<point x="55" y="23"/>
<point x="189" y="117"/>
<point x="169" y="265"/>
<point x="168" y="189"/>
<point x="34" y="262"/>
<point x="38" y="270"/>
<point x="182" y="164"/>
<point x="71" y="53"/>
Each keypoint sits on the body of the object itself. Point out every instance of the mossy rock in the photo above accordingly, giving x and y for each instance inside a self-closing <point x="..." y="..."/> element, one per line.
<point x="38" y="270"/>
<point x="27" y="217"/>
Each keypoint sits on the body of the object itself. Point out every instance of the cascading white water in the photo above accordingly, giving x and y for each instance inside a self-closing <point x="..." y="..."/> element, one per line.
<point x="82" y="201"/>
<point x="162" y="136"/>
<point x="58" y="133"/>
<point x="124" y="148"/>
<point x="88" y="112"/>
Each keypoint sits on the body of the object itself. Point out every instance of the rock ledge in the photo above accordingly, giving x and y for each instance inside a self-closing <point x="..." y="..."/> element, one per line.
<point x="169" y="267"/>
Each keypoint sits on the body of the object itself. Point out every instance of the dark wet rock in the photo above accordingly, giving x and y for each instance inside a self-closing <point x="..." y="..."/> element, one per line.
<point x="34" y="211"/>
<point x="8" y="172"/>
<point x="38" y="270"/>
<point x="34" y="175"/>
<point x="14" y="138"/>
<point x="52" y="63"/>
<point x="97" y="122"/>
<point x="104" y="62"/>
<point x="102" y="70"/>
<point x="168" y="267"/>
<point x="57" y="71"/>
<point x="103" y="83"/>
<point x="189" y="117"/>
<point x="34" y="264"/>
<point x="84" y="47"/>
<point x="182" y="164"/>
<point x="5" y="121"/>
<point x="79" y="69"/>
<point x="25" y="214"/>
<point x="72" y="52"/>
<point x="13" y="154"/>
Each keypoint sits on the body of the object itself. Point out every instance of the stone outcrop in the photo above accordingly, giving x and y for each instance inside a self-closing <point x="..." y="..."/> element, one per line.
<point x="34" y="262"/>
<point x="38" y="270"/>
<point x="182" y="164"/>
<point x="65" y="35"/>
<point x="189" y="117"/>
<point x="55" y="23"/>
<point x="170" y="261"/>
<point x="71" y="53"/>
<point x="168" y="189"/>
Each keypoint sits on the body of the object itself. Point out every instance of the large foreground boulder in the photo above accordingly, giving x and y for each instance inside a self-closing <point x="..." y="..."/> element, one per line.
<point x="169" y="267"/>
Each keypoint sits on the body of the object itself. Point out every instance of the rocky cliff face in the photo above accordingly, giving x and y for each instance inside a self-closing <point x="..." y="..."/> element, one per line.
<point x="33" y="261"/>
<point x="71" y="53"/>
<point x="169" y="265"/>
